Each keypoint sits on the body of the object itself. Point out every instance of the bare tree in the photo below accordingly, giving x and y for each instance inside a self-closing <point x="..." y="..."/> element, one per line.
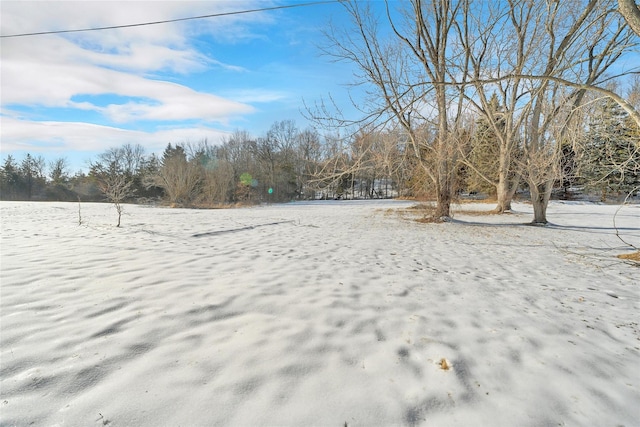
<point x="540" y="56"/>
<point x="308" y="156"/>
<point x="281" y="140"/>
<point x="581" y="42"/>
<point x="132" y="158"/>
<point x="265" y="153"/>
<point x="216" y="174"/>
<point x="217" y="182"/>
<point x="116" y="188"/>
<point x="335" y="168"/>
<point x="283" y="134"/>
<point x="113" y="182"/>
<point x="497" y="40"/>
<point x="178" y="176"/>
<point x="410" y="79"/>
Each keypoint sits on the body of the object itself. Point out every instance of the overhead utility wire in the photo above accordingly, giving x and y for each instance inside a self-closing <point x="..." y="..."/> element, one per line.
<point x="239" y="12"/>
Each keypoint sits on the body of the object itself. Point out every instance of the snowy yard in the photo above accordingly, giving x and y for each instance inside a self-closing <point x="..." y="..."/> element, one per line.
<point x="324" y="313"/>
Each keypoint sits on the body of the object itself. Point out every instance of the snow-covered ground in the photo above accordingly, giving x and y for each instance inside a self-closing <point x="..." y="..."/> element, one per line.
<point x="319" y="313"/>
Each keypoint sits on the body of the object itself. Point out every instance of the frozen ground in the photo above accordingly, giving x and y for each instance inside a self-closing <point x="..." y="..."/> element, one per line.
<point x="325" y="314"/>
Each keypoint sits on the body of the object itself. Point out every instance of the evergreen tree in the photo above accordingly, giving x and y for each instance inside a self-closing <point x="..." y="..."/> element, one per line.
<point x="149" y="172"/>
<point x="172" y="153"/>
<point x="611" y="159"/>
<point x="484" y="154"/>
<point x="9" y="179"/>
<point x="58" y="171"/>
<point x="27" y="170"/>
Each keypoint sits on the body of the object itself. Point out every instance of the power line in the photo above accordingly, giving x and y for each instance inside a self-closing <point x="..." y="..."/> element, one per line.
<point x="215" y="15"/>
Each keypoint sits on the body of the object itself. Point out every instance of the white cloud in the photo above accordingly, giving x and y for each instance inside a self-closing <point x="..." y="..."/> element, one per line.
<point x="54" y="85"/>
<point x="144" y="57"/>
<point x="260" y="95"/>
<point x="35" y="16"/>
<point x="52" y="136"/>
<point x="50" y="70"/>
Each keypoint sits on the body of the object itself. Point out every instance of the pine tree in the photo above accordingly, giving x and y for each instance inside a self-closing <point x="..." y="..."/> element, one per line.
<point x="610" y="163"/>
<point x="485" y="152"/>
<point x="27" y="168"/>
<point x="9" y="179"/>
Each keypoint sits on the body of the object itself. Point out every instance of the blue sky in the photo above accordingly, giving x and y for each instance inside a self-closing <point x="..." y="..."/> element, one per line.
<point x="75" y="95"/>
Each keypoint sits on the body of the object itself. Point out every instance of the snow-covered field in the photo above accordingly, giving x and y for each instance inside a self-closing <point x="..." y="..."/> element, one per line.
<point x="324" y="313"/>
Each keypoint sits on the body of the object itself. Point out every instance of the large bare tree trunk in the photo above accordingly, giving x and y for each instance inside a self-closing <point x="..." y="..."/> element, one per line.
<point x="445" y="170"/>
<point x="631" y="12"/>
<point x="443" y="192"/>
<point x="540" y="195"/>
<point x="504" y="197"/>
<point x="507" y="184"/>
<point x="433" y="24"/>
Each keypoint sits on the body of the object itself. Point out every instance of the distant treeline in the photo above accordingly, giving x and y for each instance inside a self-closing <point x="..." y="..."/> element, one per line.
<point x="285" y="164"/>
<point x="291" y="164"/>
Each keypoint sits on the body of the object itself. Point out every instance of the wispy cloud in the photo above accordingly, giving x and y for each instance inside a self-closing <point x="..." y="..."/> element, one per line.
<point x="259" y="95"/>
<point x="56" y="136"/>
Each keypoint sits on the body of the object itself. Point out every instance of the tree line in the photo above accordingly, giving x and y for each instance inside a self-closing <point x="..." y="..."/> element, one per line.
<point x="284" y="164"/>
<point x="461" y="95"/>
<point x="291" y="164"/>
